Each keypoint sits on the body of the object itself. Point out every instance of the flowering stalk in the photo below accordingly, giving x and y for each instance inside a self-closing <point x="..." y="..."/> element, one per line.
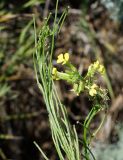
<point x="83" y="84"/>
<point x="64" y="135"/>
<point x="80" y="83"/>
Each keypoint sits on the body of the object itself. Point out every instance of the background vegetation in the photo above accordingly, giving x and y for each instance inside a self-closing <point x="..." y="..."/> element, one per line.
<point x="91" y="31"/>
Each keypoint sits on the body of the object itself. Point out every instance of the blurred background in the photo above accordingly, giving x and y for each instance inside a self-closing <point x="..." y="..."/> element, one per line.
<point x="92" y="30"/>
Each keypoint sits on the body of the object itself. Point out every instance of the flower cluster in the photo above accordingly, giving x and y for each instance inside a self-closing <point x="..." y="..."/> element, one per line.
<point x="95" y="67"/>
<point x="63" y="59"/>
<point x="79" y="82"/>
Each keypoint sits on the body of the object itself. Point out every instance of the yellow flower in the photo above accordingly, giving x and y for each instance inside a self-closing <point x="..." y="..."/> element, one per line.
<point x="96" y="65"/>
<point x="94" y="86"/>
<point x="101" y="69"/>
<point x="54" y="73"/>
<point x="63" y="58"/>
<point x="93" y="90"/>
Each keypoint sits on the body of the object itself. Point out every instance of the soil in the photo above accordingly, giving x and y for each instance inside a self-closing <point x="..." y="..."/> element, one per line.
<point x="22" y="111"/>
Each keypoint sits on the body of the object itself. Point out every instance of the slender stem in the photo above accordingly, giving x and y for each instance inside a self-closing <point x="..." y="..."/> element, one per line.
<point x="96" y="131"/>
<point x="86" y="126"/>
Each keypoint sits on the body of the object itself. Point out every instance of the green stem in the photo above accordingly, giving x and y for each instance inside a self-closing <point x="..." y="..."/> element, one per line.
<point x="86" y="126"/>
<point x="96" y="131"/>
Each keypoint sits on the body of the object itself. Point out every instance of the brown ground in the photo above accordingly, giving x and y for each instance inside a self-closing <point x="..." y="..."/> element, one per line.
<point x="22" y="111"/>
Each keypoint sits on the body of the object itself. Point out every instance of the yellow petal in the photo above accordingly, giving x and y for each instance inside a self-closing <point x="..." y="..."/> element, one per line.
<point x="96" y="65"/>
<point x="101" y="69"/>
<point x="66" y="56"/>
<point x="92" y="92"/>
<point x="54" y="71"/>
<point x="60" y="58"/>
<point x="94" y="86"/>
